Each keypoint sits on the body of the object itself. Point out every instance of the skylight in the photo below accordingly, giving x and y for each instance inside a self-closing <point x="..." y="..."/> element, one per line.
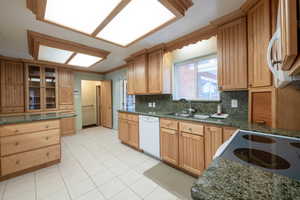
<point x="137" y="19"/>
<point x="120" y="22"/>
<point x="81" y="15"/>
<point x="53" y="54"/>
<point x="84" y="60"/>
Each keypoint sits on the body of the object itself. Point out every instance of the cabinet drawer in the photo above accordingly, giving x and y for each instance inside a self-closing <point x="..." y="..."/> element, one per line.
<point x="168" y="123"/>
<point x="20" y="143"/>
<point x="15" y="129"/>
<point x="123" y="116"/>
<point x="131" y="117"/>
<point x="22" y="161"/>
<point x="197" y="129"/>
<point x="12" y="109"/>
<point x="66" y="107"/>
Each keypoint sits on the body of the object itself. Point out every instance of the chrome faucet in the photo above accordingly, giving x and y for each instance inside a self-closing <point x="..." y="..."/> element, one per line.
<point x="190" y="110"/>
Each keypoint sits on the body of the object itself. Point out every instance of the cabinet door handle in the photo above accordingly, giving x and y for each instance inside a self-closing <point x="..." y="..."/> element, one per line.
<point x="260" y="122"/>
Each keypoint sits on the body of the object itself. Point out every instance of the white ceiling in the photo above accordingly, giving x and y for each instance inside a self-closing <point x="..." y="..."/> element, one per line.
<point x="16" y="19"/>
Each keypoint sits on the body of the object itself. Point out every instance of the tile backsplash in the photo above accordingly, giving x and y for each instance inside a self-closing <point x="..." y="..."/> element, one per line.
<point x="165" y="103"/>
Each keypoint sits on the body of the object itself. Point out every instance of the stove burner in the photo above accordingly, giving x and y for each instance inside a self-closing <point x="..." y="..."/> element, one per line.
<point x="295" y="144"/>
<point x="261" y="158"/>
<point x="260" y="139"/>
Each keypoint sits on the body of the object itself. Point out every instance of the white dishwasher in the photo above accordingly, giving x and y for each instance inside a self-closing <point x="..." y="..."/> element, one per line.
<point x="149" y="135"/>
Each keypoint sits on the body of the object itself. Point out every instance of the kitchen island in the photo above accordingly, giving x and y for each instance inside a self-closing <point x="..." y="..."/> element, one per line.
<point x="30" y="142"/>
<point x="226" y="179"/>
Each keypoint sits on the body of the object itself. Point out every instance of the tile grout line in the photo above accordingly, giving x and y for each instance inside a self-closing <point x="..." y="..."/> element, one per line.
<point x="96" y="187"/>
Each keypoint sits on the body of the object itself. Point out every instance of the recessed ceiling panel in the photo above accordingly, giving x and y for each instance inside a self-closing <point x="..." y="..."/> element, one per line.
<point x="138" y="18"/>
<point x="84" y="60"/>
<point x="53" y="54"/>
<point x="81" y="15"/>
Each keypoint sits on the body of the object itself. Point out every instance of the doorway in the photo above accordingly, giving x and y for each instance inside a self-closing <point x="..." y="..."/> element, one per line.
<point x="90" y="103"/>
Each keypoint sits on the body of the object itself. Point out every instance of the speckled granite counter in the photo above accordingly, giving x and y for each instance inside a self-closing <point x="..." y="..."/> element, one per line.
<point x="229" y="180"/>
<point x="239" y="123"/>
<point x="33" y="117"/>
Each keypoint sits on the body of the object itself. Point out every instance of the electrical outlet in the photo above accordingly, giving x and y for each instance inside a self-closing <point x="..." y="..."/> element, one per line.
<point x="234" y="103"/>
<point x="153" y="104"/>
<point x="150" y="104"/>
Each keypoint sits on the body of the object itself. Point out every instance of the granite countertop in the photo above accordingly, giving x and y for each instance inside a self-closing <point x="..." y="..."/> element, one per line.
<point x="229" y="180"/>
<point x="231" y="121"/>
<point x="23" y="118"/>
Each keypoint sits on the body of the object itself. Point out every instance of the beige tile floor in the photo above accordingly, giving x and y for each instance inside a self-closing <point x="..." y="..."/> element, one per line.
<point x="95" y="166"/>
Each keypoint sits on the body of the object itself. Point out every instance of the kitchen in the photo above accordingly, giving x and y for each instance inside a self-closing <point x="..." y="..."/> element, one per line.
<point x="196" y="102"/>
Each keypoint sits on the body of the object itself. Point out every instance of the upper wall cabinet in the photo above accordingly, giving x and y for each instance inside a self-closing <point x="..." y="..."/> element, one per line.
<point x="41" y="88"/>
<point x="12" y="87"/>
<point x="159" y="72"/>
<point x="150" y="73"/>
<point x="66" y="85"/>
<point x="232" y="55"/>
<point x="140" y="74"/>
<point x="259" y="34"/>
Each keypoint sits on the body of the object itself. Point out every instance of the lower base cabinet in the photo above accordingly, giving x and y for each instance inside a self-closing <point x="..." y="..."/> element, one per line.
<point x="67" y="126"/>
<point x="169" y="145"/>
<point x="213" y="140"/>
<point x="129" y="130"/>
<point x="191" y="153"/>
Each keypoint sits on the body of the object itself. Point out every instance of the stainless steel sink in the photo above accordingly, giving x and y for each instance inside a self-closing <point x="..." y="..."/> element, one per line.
<point x="201" y="116"/>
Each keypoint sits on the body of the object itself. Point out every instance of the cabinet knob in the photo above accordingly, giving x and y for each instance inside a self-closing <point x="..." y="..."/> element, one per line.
<point x="16" y="131"/>
<point x="47" y="154"/>
<point x="47" y="138"/>
<point x="190" y="129"/>
<point x="17" y="162"/>
<point x="47" y="126"/>
<point x="17" y="143"/>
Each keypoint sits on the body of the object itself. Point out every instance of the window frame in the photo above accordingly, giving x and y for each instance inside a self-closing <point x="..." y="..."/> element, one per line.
<point x="189" y="61"/>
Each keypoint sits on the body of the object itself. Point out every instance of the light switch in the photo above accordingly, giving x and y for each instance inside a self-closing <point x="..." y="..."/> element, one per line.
<point x="150" y="104"/>
<point x="234" y="103"/>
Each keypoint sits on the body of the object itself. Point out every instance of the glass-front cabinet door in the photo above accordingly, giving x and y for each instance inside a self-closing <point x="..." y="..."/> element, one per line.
<point x="41" y="88"/>
<point x="34" y="88"/>
<point x="50" y="78"/>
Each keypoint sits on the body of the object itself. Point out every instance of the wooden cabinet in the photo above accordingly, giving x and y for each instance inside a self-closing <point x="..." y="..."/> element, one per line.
<point x="213" y="140"/>
<point x="191" y="153"/>
<point x="129" y="129"/>
<point x="130" y="79"/>
<point x="259" y="34"/>
<point x="169" y="146"/>
<point x="150" y="73"/>
<point x="133" y="133"/>
<point x="28" y="146"/>
<point x="140" y="74"/>
<point x="106" y="103"/>
<point x="26" y="160"/>
<point x="228" y="132"/>
<point x="66" y="87"/>
<point x="232" y="55"/>
<point x="12" y="87"/>
<point x="123" y="130"/>
<point x="159" y="72"/>
<point x="41" y="88"/>
<point x="67" y="126"/>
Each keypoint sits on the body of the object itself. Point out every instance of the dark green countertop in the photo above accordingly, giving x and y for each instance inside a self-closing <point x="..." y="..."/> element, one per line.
<point x="33" y="117"/>
<point x="229" y="180"/>
<point x="231" y="121"/>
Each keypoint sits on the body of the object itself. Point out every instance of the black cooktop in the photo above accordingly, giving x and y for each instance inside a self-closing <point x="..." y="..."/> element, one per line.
<point x="277" y="154"/>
